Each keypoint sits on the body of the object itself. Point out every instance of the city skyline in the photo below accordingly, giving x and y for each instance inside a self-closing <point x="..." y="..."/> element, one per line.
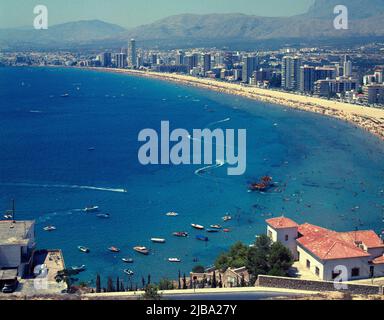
<point x="129" y="13"/>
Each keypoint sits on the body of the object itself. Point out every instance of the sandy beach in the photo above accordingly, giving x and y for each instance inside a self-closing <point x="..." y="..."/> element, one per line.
<point x="370" y="119"/>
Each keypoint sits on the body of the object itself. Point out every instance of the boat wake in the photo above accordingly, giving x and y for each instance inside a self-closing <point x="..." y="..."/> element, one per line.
<point x="31" y="185"/>
<point x="219" y="163"/>
<point x="218" y="122"/>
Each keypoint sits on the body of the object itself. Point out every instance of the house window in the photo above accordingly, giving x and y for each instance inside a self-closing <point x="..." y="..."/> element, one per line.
<point x="317" y="271"/>
<point x="355" y="272"/>
<point x="286" y="237"/>
<point x="308" y="264"/>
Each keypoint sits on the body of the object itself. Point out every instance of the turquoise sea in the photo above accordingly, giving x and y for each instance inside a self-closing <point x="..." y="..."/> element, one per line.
<point x="330" y="173"/>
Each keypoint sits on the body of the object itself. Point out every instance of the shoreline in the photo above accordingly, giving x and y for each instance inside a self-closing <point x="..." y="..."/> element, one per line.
<point x="368" y="118"/>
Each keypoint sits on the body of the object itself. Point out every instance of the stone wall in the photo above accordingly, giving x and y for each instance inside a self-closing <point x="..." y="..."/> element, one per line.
<point x="309" y="285"/>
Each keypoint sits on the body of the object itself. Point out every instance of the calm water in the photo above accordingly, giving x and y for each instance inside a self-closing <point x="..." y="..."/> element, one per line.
<point x="332" y="173"/>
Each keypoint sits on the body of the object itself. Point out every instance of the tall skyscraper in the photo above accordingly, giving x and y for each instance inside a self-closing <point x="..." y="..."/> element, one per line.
<point x="347" y="67"/>
<point x="121" y="60"/>
<point x="180" y="58"/>
<point x="191" y="61"/>
<point x="290" y="72"/>
<point x="106" y="59"/>
<point x="307" y="78"/>
<point x="207" y="62"/>
<point x="250" y="65"/>
<point x="132" y="55"/>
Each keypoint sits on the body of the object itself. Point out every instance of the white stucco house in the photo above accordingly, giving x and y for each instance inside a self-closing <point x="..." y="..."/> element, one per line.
<point x="17" y="244"/>
<point x="323" y="251"/>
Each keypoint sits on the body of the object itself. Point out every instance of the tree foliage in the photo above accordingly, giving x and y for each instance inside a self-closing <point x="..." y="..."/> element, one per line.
<point x="264" y="257"/>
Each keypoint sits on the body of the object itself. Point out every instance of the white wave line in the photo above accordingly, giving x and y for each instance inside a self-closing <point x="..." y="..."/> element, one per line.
<point x="219" y="163"/>
<point x="218" y="122"/>
<point x="31" y="185"/>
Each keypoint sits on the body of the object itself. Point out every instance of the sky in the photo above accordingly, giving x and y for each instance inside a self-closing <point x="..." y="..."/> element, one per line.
<point x="131" y="13"/>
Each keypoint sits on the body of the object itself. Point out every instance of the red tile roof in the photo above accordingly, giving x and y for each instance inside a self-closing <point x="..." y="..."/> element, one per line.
<point x="379" y="260"/>
<point x="282" y="223"/>
<point x="331" y="245"/>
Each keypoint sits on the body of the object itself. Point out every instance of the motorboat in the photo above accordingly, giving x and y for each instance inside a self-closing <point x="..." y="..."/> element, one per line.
<point x="129" y="272"/>
<point x="84" y="249"/>
<point x="49" y="228"/>
<point x="158" y="240"/>
<point x="171" y="214"/>
<point x="202" y="238"/>
<point x="174" y="260"/>
<point x="91" y="209"/>
<point x="142" y="250"/>
<point x="79" y="269"/>
<point x="103" y="215"/>
<point x="65" y="95"/>
<point x="197" y="226"/>
<point x="127" y="260"/>
<point x="216" y="226"/>
<point x="213" y="230"/>
<point x="227" y="218"/>
<point x="181" y="234"/>
<point x="114" y="249"/>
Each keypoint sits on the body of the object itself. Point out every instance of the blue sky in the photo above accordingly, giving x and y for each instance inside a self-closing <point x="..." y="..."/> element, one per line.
<point x="129" y="13"/>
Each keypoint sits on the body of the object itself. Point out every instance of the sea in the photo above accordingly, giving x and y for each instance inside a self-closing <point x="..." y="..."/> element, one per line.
<point x="60" y="154"/>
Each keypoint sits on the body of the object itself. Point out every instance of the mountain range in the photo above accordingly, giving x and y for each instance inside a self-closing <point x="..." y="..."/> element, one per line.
<point x="185" y="30"/>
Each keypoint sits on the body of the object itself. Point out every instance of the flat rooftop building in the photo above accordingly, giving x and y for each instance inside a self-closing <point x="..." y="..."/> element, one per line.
<point x="17" y="243"/>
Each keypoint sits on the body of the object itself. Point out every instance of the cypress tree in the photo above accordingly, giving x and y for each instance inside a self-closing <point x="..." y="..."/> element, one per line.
<point x="98" y="284"/>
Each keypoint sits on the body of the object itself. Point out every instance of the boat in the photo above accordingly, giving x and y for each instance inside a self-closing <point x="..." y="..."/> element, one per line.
<point x="83" y="249"/>
<point x="181" y="234"/>
<point x="7" y="216"/>
<point x="197" y="226"/>
<point x="91" y="149"/>
<point x="213" y="230"/>
<point x="91" y="209"/>
<point x="129" y="272"/>
<point x="79" y="269"/>
<point x="142" y="250"/>
<point x="202" y="238"/>
<point x="103" y="215"/>
<point x="216" y="226"/>
<point x="173" y="260"/>
<point x="127" y="260"/>
<point x="227" y="218"/>
<point x="114" y="249"/>
<point x="49" y="228"/>
<point x="158" y="240"/>
<point x="65" y="95"/>
<point x="226" y="230"/>
<point x="263" y="185"/>
<point x="171" y="214"/>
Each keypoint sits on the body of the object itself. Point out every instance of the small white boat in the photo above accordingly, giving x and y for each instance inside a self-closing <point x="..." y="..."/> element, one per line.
<point x="216" y="226"/>
<point x="129" y="272"/>
<point x="142" y="250"/>
<point x="83" y="249"/>
<point x="91" y="209"/>
<point x="197" y="226"/>
<point x="127" y="260"/>
<point x="49" y="228"/>
<point x="158" y="240"/>
<point x="79" y="269"/>
<point x="172" y="214"/>
<point x="7" y="216"/>
<point x="103" y="215"/>
<point x="227" y="218"/>
<point x="174" y="260"/>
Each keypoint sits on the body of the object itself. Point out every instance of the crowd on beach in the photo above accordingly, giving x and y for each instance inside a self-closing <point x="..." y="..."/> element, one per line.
<point x="370" y="119"/>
